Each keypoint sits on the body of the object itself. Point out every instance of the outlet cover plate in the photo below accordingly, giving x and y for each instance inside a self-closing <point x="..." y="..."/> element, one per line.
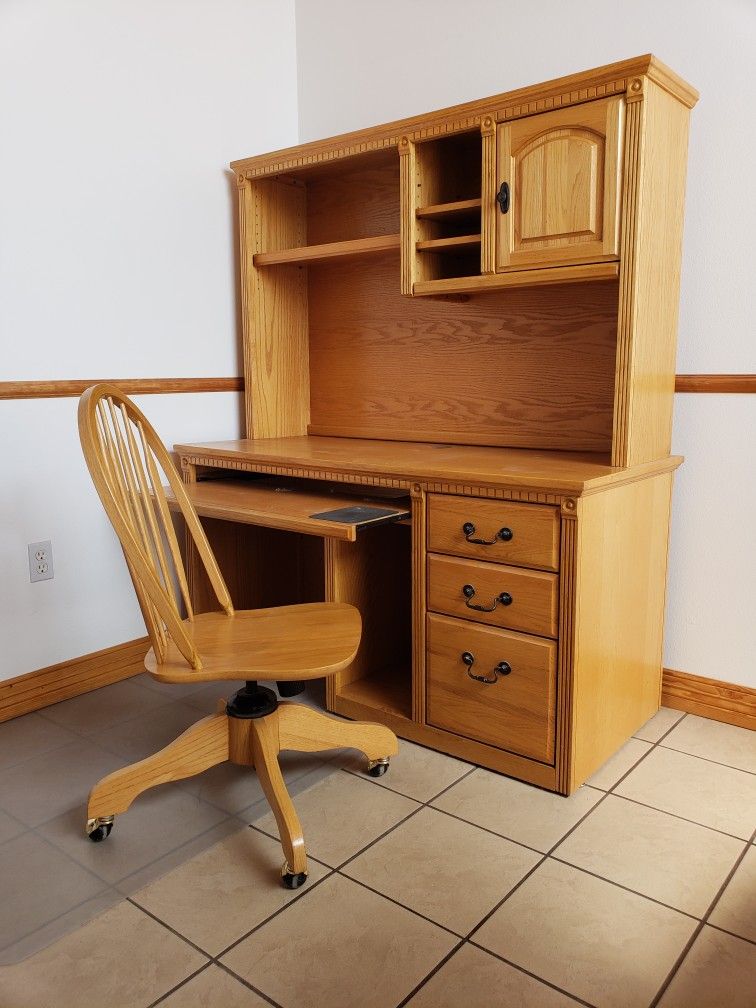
<point x="41" y="561"/>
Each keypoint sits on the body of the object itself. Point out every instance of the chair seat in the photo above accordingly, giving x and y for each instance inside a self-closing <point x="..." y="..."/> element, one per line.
<point x="293" y="642"/>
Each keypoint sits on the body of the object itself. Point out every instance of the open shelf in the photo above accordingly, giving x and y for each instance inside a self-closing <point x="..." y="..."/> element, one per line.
<point x="455" y="243"/>
<point x="388" y="690"/>
<point x="445" y="211"/>
<point x="329" y="250"/>
<point x="519" y="278"/>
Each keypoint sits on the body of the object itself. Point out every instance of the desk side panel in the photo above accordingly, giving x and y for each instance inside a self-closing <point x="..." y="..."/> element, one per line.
<point x="618" y="619"/>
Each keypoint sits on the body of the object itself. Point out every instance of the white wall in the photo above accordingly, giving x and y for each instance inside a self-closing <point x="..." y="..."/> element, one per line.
<point x="362" y="63"/>
<point x="117" y="122"/>
<point x="116" y="247"/>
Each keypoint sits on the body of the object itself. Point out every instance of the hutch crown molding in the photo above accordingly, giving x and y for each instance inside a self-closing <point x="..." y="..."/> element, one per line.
<point x="470" y="316"/>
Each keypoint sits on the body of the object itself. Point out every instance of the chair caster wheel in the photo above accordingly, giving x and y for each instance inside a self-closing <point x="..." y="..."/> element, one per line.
<point x="377" y="768"/>
<point x="99" y="829"/>
<point x="292" y="880"/>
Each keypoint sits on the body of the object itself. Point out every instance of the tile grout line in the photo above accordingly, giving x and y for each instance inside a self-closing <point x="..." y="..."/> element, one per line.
<point x="337" y="871"/>
<point x="425" y="804"/>
<point x="535" y="867"/>
<point x="168" y="927"/>
<point x="128" y="875"/>
<point x="294" y="899"/>
<point x="547" y="855"/>
<point x="701" y="925"/>
<point x="674" y="815"/>
<point x="534" y="976"/>
<point x="620" y="885"/>
<point x="248" y="985"/>
<point x="414" y="812"/>
<point x="439" y="965"/>
<point x="707" y="759"/>
<point x="403" y="906"/>
<point x="732" y="934"/>
<point x="486" y="829"/>
<point x="178" y="986"/>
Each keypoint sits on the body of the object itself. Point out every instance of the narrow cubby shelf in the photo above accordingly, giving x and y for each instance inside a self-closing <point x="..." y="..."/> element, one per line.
<point x="330" y="250"/>
<point x="455" y="243"/>
<point x="445" y="211"/>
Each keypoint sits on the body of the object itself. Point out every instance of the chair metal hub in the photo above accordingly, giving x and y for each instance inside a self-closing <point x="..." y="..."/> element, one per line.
<point x="252" y="701"/>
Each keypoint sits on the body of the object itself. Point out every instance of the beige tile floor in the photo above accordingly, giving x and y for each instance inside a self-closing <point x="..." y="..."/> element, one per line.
<point x="440" y="885"/>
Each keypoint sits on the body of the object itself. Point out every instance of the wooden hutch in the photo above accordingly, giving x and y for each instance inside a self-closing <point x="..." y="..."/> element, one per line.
<point x="471" y="314"/>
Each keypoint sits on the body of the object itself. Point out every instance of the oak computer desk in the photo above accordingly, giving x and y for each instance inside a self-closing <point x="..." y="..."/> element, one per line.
<point x="470" y="314"/>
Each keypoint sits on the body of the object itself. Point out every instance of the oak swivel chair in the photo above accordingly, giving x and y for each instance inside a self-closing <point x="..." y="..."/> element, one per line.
<point x="288" y="644"/>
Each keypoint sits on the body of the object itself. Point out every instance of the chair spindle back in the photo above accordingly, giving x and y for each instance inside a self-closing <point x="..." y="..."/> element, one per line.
<point x="125" y="458"/>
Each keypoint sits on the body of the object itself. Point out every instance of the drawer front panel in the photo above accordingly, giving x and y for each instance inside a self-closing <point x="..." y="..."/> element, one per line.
<point x="516" y="711"/>
<point x="501" y="596"/>
<point x="525" y="535"/>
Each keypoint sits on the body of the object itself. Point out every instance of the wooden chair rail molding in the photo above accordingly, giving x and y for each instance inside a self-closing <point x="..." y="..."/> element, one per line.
<point x="131" y="386"/>
<point x="715" y="383"/>
<point x="153" y="386"/>
<point x="709" y="698"/>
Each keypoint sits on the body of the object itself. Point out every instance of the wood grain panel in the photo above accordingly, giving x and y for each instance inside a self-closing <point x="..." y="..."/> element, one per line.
<point x="279" y="505"/>
<point x="619" y="622"/>
<point x="332" y="250"/>
<point x="520" y="368"/>
<point x="131" y="386"/>
<point x="374" y="574"/>
<point x="563" y="169"/>
<point x="359" y="199"/>
<point x="274" y="311"/>
<point x="710" y="698"/>
<point x="517" y="712"/>
<point x="535" y="531"/>
<point x="534" y="594"/>
<point x="67" y="679"/>
<point x="540" y="774"/>
<point x="650" y="276"/>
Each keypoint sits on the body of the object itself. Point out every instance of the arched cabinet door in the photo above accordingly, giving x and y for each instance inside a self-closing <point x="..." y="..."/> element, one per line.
<point x="559" y="186"/>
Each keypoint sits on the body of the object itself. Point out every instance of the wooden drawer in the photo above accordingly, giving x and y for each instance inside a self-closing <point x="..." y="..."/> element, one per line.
<point x="519" y="599"/>
<point x="517" y="711"/>
<point x="526" y="535"/>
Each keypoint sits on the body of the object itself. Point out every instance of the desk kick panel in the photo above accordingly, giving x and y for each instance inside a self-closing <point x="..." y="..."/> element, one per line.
<point x="282" y="504"/>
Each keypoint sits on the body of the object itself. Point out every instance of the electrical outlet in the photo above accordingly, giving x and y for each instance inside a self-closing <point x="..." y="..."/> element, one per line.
<point x="41" y="561"/>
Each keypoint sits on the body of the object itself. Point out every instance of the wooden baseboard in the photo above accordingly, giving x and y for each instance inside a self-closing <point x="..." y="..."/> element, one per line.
<point x="68" y="679"/>
<point x="721" y="701"/>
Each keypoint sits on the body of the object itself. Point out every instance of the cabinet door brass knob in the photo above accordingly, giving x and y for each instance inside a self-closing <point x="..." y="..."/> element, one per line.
<point x="502" y="669"/>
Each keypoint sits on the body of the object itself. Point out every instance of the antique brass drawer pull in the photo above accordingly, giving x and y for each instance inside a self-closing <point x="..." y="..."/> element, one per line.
<point x="468" y="591"/>
<point x="503" y="668"/>
<point x="505" y="535"/>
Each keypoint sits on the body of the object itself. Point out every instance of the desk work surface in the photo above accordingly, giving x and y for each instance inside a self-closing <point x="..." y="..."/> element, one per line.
<point x="574" y="473"/>
<point x="279" y="503"/>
